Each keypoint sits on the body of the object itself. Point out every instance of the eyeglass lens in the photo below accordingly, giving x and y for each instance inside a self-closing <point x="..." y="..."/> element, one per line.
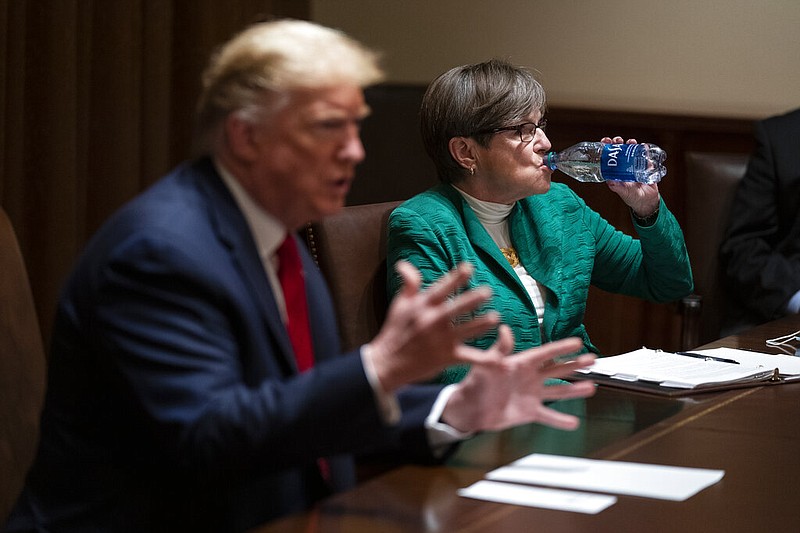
<point x="528" y="130"/>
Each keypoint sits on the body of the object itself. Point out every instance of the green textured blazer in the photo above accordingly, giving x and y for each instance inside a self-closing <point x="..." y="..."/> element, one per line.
<point x="561" y="242"/>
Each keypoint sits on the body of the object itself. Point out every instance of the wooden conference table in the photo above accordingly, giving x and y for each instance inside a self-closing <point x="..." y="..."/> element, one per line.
<point x="751" y="433"/>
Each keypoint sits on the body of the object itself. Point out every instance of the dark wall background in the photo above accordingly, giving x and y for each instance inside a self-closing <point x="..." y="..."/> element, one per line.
<point x="96" y="102"/>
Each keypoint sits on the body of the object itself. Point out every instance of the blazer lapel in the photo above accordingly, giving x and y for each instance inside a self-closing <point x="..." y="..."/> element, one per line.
<point x="539" y="244"/>
<point x="481" y="240"/>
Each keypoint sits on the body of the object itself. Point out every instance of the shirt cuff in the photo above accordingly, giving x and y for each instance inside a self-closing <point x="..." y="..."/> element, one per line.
<point x="794" y="303"/>
<point x="441" y="435"/>
<point x="388" y="406"/>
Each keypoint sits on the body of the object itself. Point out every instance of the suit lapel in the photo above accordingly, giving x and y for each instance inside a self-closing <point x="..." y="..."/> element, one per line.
<point x="234" y="232"/>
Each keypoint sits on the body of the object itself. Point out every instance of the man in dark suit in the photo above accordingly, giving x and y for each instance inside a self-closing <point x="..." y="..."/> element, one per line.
<point x="195" y="379"/>
<point x="761" y="252"/>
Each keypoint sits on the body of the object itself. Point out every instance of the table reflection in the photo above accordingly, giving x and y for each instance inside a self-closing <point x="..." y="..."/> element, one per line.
<point x="607" y="417"/>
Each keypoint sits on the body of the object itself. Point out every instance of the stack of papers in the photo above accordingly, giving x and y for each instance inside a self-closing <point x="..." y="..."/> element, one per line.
<point x="699" y="369"/>
<point x="512" y="483"/>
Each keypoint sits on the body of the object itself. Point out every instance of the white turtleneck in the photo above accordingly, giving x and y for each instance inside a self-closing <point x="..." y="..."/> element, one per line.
<point x="494" y="218"/>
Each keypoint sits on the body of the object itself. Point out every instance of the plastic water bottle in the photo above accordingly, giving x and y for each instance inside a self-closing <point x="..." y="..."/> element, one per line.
<point x="596" y="162"/>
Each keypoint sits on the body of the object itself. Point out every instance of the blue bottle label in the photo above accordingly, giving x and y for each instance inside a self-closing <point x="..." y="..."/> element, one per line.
<point x="618" y="161"/>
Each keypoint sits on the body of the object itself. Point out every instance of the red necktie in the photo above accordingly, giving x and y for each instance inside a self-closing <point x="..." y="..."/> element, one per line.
<point x="290" y="274"/>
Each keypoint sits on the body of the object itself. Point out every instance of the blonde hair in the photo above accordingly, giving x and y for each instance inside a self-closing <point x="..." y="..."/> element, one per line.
<point x="270" y="59"/>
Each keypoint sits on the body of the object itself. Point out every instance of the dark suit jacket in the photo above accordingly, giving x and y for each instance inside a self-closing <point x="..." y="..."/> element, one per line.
<point x="173" y="399"/>
<point x="761" y="252"/>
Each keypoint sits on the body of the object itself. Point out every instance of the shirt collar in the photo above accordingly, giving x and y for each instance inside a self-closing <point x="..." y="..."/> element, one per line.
<point x="267" y="230"/>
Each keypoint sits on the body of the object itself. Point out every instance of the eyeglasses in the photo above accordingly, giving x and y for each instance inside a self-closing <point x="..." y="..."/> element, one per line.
<point x="526" y="130"/>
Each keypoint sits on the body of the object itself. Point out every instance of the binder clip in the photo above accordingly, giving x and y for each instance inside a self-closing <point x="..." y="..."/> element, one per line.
<point x="776" y="376"/>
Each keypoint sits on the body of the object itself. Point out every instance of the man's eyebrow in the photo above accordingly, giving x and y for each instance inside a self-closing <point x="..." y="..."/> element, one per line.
<point x="361" y="114"/>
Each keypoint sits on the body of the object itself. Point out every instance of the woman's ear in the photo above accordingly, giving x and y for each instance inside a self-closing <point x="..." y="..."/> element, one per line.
<point x="462" y="150"/>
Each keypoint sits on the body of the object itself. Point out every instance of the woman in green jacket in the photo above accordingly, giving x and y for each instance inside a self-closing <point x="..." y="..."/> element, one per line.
<point x="535" y="243"/>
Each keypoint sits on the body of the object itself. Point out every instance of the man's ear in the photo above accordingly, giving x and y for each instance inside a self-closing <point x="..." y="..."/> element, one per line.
<point x="240" y="136"/>
<point x="462" y="149"/>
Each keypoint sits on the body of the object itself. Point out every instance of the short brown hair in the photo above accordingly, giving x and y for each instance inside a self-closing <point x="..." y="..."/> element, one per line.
<point x="472" y="98"/>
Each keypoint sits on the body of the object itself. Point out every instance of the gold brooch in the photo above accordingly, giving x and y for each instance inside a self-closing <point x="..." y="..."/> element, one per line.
<point x="511" y="256"/>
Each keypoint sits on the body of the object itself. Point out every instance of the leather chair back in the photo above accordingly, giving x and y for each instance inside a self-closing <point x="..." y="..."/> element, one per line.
<point x="350" y="249"/>
<point x="22" y="370"/>
<point x="711" y="182"/>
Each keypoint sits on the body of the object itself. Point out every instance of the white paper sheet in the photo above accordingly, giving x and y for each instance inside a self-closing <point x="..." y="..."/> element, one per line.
<point x="562" y="500"/>
<point x="634" y="479"/>
<point x="673" y="370"/>
<point x="788" y="365"/>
